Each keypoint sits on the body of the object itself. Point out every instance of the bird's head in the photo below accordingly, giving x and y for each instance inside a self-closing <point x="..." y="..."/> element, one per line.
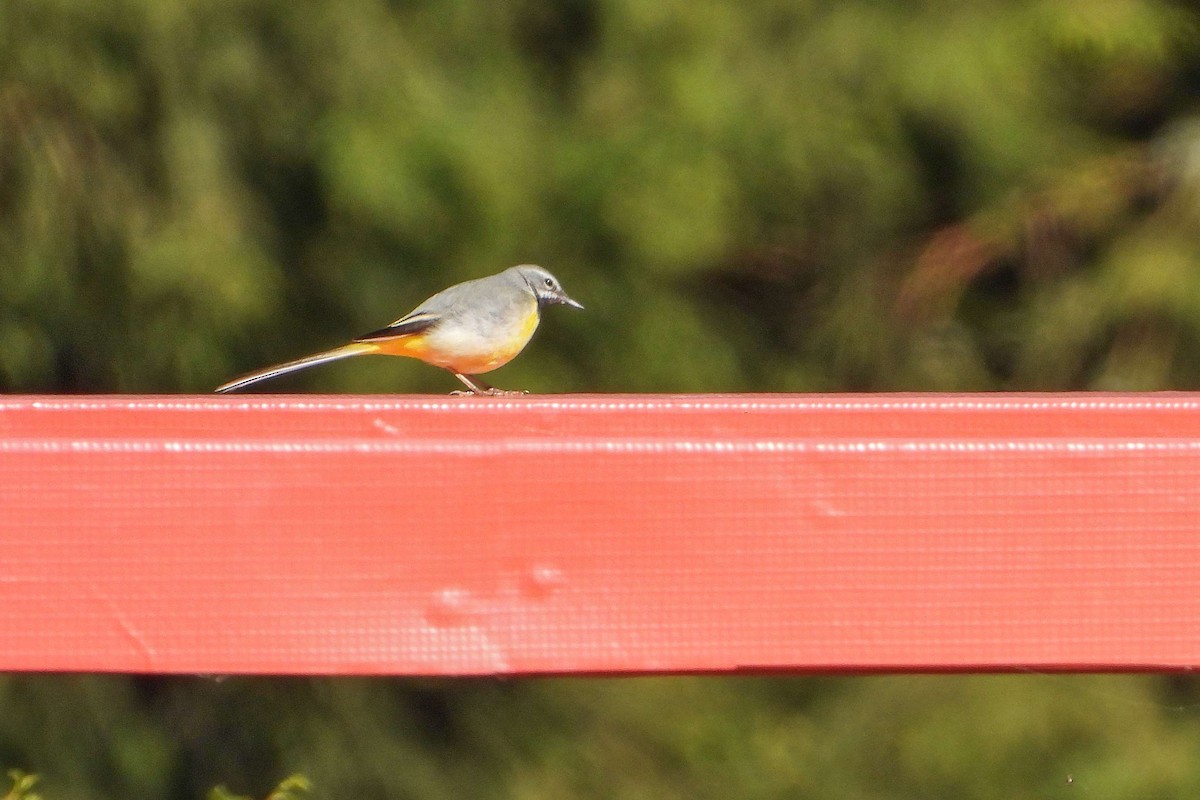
<point x="545" y="286"/>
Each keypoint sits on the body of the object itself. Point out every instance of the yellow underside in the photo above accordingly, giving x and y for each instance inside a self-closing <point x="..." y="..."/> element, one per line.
<point x="418" y="346"/>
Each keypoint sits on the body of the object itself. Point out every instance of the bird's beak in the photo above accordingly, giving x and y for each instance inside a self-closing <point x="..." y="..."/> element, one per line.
<point x="566" y="301"/>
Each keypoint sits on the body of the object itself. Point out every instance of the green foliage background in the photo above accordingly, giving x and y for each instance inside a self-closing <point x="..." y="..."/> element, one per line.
<point x="779" y="196"/>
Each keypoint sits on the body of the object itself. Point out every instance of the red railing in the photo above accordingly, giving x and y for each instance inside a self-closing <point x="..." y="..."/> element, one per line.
<point x="599" y="534"/>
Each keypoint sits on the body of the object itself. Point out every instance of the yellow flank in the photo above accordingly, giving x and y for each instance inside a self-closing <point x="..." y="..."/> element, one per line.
<point x="468" y="362"/>
<point x="414" y="346"/>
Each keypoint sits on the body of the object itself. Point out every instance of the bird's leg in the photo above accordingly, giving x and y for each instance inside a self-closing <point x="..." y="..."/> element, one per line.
<point x="478" y="386"/>
<point x="475" y="388"/>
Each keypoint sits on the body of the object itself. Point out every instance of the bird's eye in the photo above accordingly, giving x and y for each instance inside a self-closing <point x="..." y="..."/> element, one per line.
<point x="549" y="283"/>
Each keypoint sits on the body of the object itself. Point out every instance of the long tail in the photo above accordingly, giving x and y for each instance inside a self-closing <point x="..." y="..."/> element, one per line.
<point x="345" y="351"/>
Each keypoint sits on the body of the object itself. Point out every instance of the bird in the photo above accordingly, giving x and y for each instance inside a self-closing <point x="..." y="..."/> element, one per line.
<point x="470" y="328"/>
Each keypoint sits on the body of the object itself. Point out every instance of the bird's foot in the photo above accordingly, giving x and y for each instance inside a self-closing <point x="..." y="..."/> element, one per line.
<point x="479" y="387"/>
<point x="490" y="392"/>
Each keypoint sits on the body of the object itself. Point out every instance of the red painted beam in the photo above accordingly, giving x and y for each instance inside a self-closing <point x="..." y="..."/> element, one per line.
<point x="565" y="534"/>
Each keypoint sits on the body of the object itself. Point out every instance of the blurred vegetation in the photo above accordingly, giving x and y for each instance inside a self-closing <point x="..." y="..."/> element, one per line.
<point x="294" y="788"/>
<point x="22" y="786"/>
<point x="783" y="196"/>
<point x="936" y="737"/>
<point x="780" y="196"/>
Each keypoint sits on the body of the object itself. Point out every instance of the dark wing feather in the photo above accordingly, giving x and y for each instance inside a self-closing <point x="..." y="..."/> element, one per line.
<point x="405" y="326"/>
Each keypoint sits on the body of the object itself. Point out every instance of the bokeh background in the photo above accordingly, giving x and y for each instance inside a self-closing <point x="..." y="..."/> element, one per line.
<point x="857" y="195"/>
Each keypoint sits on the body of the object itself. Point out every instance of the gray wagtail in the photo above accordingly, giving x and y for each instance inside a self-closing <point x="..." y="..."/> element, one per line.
<point x="470" y="328"/>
